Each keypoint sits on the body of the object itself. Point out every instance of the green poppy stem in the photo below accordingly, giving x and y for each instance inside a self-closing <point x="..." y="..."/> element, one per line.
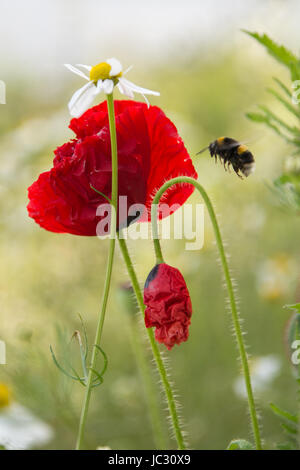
<point x="230" y="289"/>
<point x="155" y="414"/>
<point x="156" y="353"/>
<point x="112" y="243"/>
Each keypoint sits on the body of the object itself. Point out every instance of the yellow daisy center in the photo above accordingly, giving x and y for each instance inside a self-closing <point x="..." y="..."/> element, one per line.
<point x="5" y="396"/>
<point x="101" y="72"/>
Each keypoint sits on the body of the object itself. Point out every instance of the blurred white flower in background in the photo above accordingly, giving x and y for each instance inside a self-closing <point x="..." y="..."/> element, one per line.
<point x="253" y="217"/>
<point x="263" y="371"/>
<point x="274" y="276"/>
<point x="20" y="429"/>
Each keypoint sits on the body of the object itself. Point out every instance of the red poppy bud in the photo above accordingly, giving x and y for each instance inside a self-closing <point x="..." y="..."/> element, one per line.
<point x="168" y="305"/>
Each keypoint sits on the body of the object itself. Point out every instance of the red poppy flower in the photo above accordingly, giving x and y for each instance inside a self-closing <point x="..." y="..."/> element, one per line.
<point x="150" y="152"/>
<point x="168" y="305"/>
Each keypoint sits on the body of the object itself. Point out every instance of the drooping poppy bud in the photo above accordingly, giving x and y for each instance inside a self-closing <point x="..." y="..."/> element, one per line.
<point x="168" y="305"/>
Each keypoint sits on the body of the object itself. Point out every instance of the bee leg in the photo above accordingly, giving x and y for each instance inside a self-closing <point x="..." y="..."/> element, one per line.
<point x="237" y="172"/>
<point x="228" y="167"/>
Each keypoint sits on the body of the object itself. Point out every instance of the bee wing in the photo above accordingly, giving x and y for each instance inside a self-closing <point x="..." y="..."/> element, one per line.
<point x="230" y="146"/>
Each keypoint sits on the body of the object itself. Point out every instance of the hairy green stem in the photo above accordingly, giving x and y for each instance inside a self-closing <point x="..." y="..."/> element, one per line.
<point x="112" y="243"/>
<point x="230" y="289"/>
<point x="157" y="247"/>
<point x="149" y="385"/>
<point x="156" y="353"/>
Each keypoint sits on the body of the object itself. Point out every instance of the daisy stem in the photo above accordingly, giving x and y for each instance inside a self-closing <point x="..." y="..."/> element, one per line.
<point x="156" y="353"/>
<point x="112" y="243"/>
<point x="230" y="289"/>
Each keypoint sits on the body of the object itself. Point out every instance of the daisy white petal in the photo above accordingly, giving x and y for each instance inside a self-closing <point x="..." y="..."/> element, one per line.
<point x="82" y="99"/>
<point x="116" y="67"/>
<point x="128" y="69"/>
<point x="87" y="67"/>
<point x="99" y="86"/>
<point x="146" y="99"/>
<point x="136" y="88"/>
<point x="108" y="86"/>
<point x="124" y="90"/>
<point x="76" y="71"/>
<point x="21" y="430"/>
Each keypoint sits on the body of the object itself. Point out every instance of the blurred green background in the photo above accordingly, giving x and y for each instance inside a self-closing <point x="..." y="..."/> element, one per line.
<point x="47" y="279"/>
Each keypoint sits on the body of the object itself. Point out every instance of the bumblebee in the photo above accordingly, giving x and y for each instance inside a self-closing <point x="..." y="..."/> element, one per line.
<point x="232" y="153"/>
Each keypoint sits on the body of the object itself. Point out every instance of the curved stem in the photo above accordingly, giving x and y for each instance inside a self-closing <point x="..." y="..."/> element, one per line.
<point x="155" y="349"/>
<point x="157" y="247"/>
<point x="235" y="317"/>
<point x="112" y="243"/>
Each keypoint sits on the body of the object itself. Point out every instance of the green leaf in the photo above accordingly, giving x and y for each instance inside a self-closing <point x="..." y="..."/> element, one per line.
<point x="262" y="118"/>
<point x="101" y="194"/>
<point x="283" y="87"/>
<point x="289" y="429"/>
<point x="293" y="307"/>
<point x="280" y="53"/>
<point x="240" y="444"/>
<point x="289" y="106"/>
<point x="286" y="446"/>
<point x="295" y="70"/>
<point x="271" y="115"/>
<point x="257" y="117"/>
<point x="284" y="414"/>
<point x="287" y="191"/>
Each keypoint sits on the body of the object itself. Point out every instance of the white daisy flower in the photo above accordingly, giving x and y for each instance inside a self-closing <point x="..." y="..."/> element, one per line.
<point x="264" y="370"/>
<point x="102" y="77"/>
<point x="20" y="429"/>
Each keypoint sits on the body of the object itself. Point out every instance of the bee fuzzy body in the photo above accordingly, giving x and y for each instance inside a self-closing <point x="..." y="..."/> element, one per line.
<point x="233" y="153"/>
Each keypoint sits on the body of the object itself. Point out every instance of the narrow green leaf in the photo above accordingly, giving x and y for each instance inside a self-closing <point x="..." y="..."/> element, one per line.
<point x="101" y="194"/>
<point x="283" y="414"/>
<point x="295" y="70"/>
<point x="283" y="87"/>
<point x="287" y="192"/>
<point x="59" y="366"/>
<point x="289" y="106"/>
<point x="240" y="444"/>
<point x="270" y="114"/>
<point x="258" y="117"/>
<point x="286" y="446"/>
<point x="289" y="429"/>
<point x="293" y="307"/>
<point x="105" y="359"/>
<point x="280" y="53"/>
<point x="85" y="337"/>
